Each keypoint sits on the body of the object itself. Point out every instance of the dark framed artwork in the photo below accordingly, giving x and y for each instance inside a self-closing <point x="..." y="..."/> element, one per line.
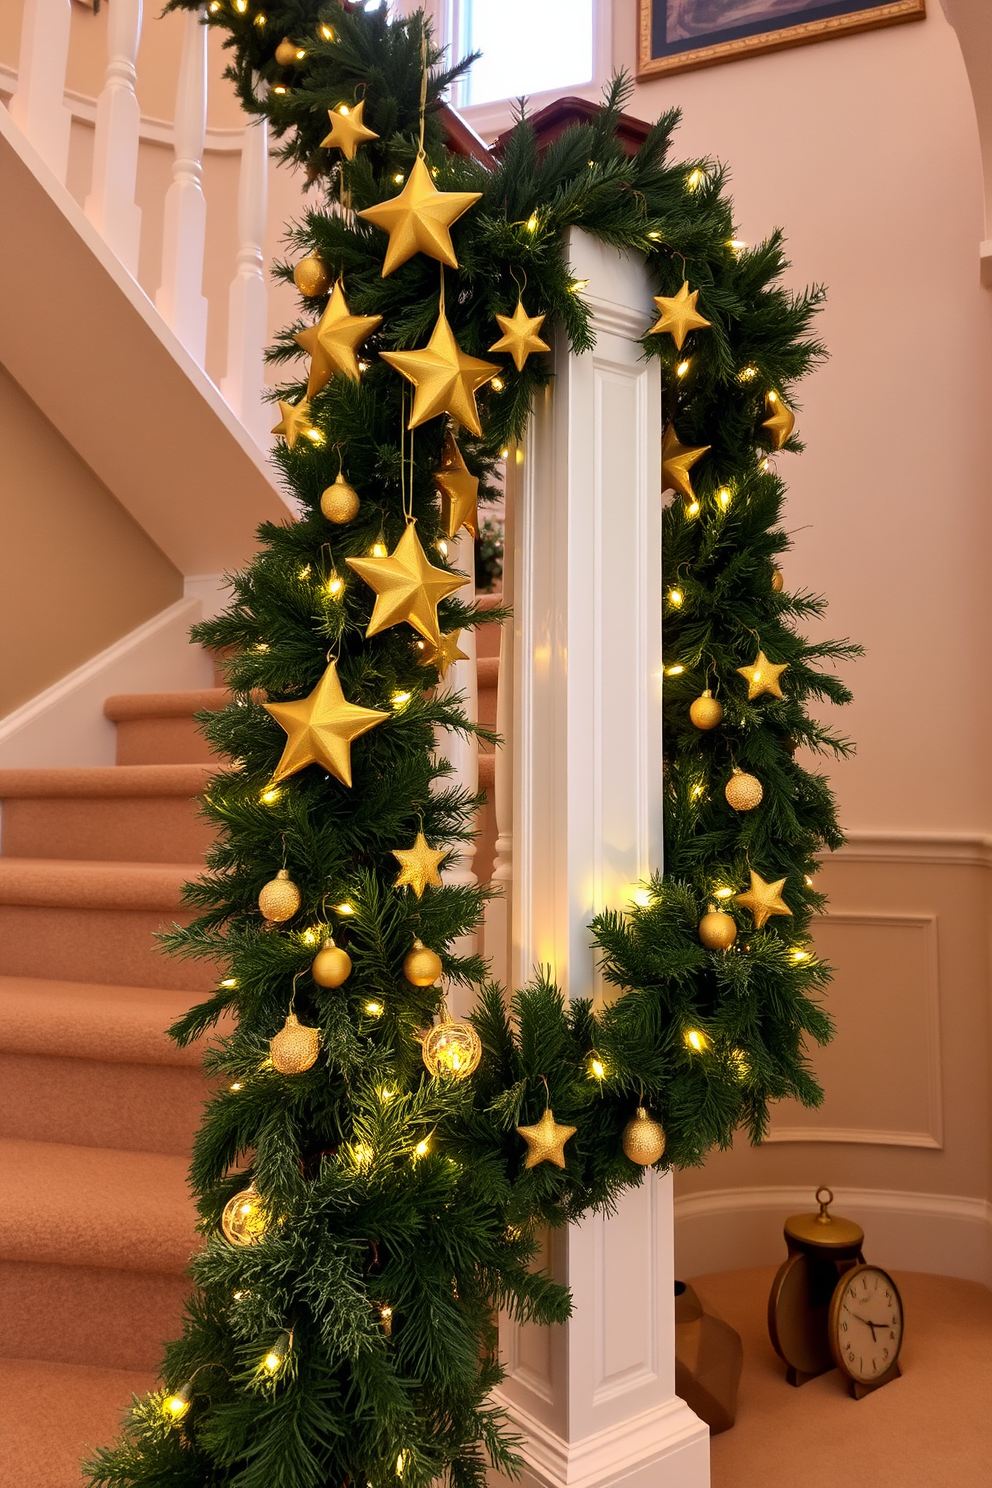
<point x="677" y="35"/>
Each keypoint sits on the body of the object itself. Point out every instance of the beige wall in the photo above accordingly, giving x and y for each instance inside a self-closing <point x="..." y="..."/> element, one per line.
<point x="76" y="572"/>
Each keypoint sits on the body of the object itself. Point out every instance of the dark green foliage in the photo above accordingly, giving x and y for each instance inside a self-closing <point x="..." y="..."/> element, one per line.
<point x="385" y="1188"/>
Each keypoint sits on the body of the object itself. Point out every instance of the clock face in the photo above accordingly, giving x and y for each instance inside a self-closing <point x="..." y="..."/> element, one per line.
<point x="866" y="1324"/>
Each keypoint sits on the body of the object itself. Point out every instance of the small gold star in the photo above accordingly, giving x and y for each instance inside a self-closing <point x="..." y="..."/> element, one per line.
<point x="444" y="654"/>
<point x="420" y="219"/>
<point x="676" y="462"/>
<point x="347" y="130"/>
<point x="762" y="676"/>
<point x="782" y="421"/>
<point x="294" y="422"/>
<point x="321" y="728"/>
<point x="763" y="899"/>
<point x="418" y="866"/>
<point x="459" y="491"/>
<point x="546" y="1141"/>
<point x="332" y="342"/>
<point x="407" y="587"/>
<point x="679" y="315"/>
<point x="520" y="336"/>
<point x="444" y="377"/>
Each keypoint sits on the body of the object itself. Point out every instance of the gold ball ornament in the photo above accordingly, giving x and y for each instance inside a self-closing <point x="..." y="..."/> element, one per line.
<point x="244" y="1220"/>
<point x="744" y="792"/>
<point x="421" y="965"/>
<point x="312" y="276"/>
<point x="340" y="502"/>
<point x="717" y="929"/>
<point x="287" y="52"/>
<point x="295" y="1047"/>
<point x="777" y="581"/>
<point x="451" y="1047"/>
<point x="706" y="712"/>
<point x="643" y="1139"/>
<point x="280" y="898"/>
<point x="331" y="965"/>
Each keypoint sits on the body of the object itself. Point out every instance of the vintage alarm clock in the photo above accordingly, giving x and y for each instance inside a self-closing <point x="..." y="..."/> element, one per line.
<point x="864" y="1329"/>
<point x="821" y="1248"/>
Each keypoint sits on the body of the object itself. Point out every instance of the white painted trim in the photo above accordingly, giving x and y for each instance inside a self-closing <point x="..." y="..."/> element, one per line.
<point x="959" y="849"/>
<point x="732" y="1229"/>
<point x="64" y="725"/>
<point x="211" y="590"/>
<point x="857" y="1135"/>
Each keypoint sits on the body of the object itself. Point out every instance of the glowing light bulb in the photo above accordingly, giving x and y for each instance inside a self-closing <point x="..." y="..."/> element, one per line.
<point x="260" y="20"/>
<point x="597" y="1068"/>
<point x="675" y="671"/>
<point x="578" y="284"/>
<point x="311" y="936"/>
<point x="399" y="178"/>
<point x="722" y="893"/>
<point x="280" y="90"/>
<point x="422" y="1148"/>
<point x="764" y="464"/>
<point x="695" y="179"/>
<point x="400" y="1464"/>
<point x="746" y="373"/>
<point x="807" y="880"/>
<point x="237" y="1085"/>
<point x="177" y="1405"/>
<point x="442" y="546"/>
<point x="696" y="792"/>
<point x="335" y="586"/>
<point x="270" y="796"/>
<point x="304" y="572"/>
<point x="696" y="1040"/>
<point x="241" y="6"/>
<point x="363" y="1154"/>
<point x="723" y="496"/>
<point x="773" y="397"/>
<point x="496" y="383"/>
<point x="344" y="110"/>
<point x="642" y="898"/>
<point x="374" y="1009"/>
<point x="314" y="435"/>
<point x="327" y="33"/>
<point x="214" y="7"/>
<point x="654" y="236"/>
<point x="532" y="223"/>
<point x="692" y="510"/>
<point x="345" y="908"/>
<point x="736" y="244"/>
<point x="798" y="955"/>
<point x="276" y="1357"/>
<point x="682" y="369"/>
<point x="504" y="452"/>
<point x="378" y="550"/>
<point x="399" y="698"/>
<point x="229" y="982"/>
<point x="676" y="598"/>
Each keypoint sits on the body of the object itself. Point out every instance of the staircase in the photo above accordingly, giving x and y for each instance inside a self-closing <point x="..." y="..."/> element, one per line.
<point x="98" y="1108"/>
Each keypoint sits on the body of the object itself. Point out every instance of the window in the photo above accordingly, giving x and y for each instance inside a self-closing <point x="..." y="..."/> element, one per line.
<point x="528" y="46"/>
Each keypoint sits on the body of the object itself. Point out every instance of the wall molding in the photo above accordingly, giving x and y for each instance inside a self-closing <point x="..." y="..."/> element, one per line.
<point x="957" y="849"/>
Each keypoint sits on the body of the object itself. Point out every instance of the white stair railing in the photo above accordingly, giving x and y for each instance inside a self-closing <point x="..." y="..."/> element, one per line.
<point x="180" y="298"/>
<point x="248" y="299"/>
<point x="37" y="107"/>
<point x="110" y="205"/>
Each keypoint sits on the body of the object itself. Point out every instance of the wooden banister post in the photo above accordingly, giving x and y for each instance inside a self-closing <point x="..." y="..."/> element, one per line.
<point x="248" y="300"/>
<point x="180" y="298"/>
<point x="37" y="107"/>
<point x="110" y="205"/>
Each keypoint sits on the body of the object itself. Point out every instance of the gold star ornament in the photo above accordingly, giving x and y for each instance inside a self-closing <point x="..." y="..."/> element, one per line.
<point x="443" y="654"/>
<point x="676" y="462"/>
<point x="763" y="900"/>
<point x="420" y="219"/>
<point x="418" y="866"/>
<point x="408" y="588"/>
<point x="295" y="421"/>
<point x="347" y="130"/>
<point x="763" y="676"/>
<point x="459" y="490"/>
<point x="321" y="729"/>
<point x="331" y="343"/>
<point x="520" y="336"/>
<point x="444" y="377"/>
<point x="781" y="420"/>
<point x="546" y="1141"/>
<point x="679" y="315"/>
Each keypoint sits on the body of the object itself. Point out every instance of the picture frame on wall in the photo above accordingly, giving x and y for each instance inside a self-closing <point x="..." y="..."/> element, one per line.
<point x="679" y="35"/>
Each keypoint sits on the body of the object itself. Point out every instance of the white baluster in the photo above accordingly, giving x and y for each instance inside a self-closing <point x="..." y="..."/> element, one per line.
<point x="497" y="927"/>
<point x="248" y="299"/>
<point x="180" y="299"/>
<point x="37" y="107"/>
<point x="110" y="205"/>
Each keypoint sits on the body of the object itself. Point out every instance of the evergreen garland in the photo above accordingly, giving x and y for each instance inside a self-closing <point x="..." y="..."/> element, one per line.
<point x="355" y="1342"/>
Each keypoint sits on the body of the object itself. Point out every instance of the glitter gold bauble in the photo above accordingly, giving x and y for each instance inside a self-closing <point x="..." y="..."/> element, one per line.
<point x="445" y="379"/>
<point x="676" y="462"/>
<point x="287" y="52"/>
<point x="348" y="129"/>
<point x="321" y="728"/>
<point x="340" y="502"/>
<point x="280" y="898"/>
<point x="546" y="1141"/>
<point x="781" y="420"/>
<point x="418" y="865"/>
<point x="420" y="219"/>
<point x="717" y="929"/>
<point x="331" y="344"/>
<point x="295" y="1047"/>
<point x="706" y="712"/>
<point x="451" y="1047"/>
<point x="421" y="965"/>
<point x="763" y="899"/>
<point x="743" y="792"/>
<point x="408" y="587"/>
<point x="777" y="581"/>
<point x="763" y="676"/>
<point x="312" y="276"/>
<point x="459" y="490"/>
<point x="244" y="1220"/>
<point x="679" y="315"/>
<point x="520" y="336"/>
<point x="643" y="1139"/>
<point x="331" y="965"/>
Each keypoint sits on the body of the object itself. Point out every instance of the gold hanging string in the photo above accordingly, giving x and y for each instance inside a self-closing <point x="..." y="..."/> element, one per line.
<point x="423" y="86"/>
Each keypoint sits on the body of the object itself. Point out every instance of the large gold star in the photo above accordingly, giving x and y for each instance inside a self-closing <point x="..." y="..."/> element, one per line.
<point x="419" y="220"/>
<point x="782" y="421"/>
<point x="332" y="342"/>
<point x="520" y="336"/>
<point x="762" y="676"/>
<point x="459" y="491"/>
<point x="418" y="866"/>
<point x="443" y="654"/>
<point x="444" y="377"/>
<point x="763" y="899"/>
<point x="407" y="587"/>
<point x="546" y="1141"/>
<point x="347" y="129"/>
<point x="676" y="462"/>
<point x="321" y="728"/>
<point x="679" y="315"/>
<point x="294" y="422"/>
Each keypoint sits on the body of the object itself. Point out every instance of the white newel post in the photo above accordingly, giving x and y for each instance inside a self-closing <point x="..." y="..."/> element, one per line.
<point x="248" y="300"/>
<point x="37" y="106"/>
<point x="462" y="751"/>
<point x="110" y="205"/>
<point x="180" y="299"/>
<point x="497" y="927"/>
<point x="595" y="1398"/>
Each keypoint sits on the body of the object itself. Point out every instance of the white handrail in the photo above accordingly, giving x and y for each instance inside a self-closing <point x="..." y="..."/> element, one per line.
<point x="248" y="298"/>
<point x="110" y="205"/>
<point x="180" y="298"/>
<point x="37" y="107"/>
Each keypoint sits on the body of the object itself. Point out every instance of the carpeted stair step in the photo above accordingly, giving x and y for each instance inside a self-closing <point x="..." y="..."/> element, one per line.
<point x="157" y="727"/>
<point x="95" y="922"/>
<point x="91" y="1065"/>
<point x="146" y="813"/>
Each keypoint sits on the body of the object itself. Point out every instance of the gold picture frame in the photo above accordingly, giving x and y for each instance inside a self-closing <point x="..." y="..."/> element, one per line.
<point x="748" y="39"/>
